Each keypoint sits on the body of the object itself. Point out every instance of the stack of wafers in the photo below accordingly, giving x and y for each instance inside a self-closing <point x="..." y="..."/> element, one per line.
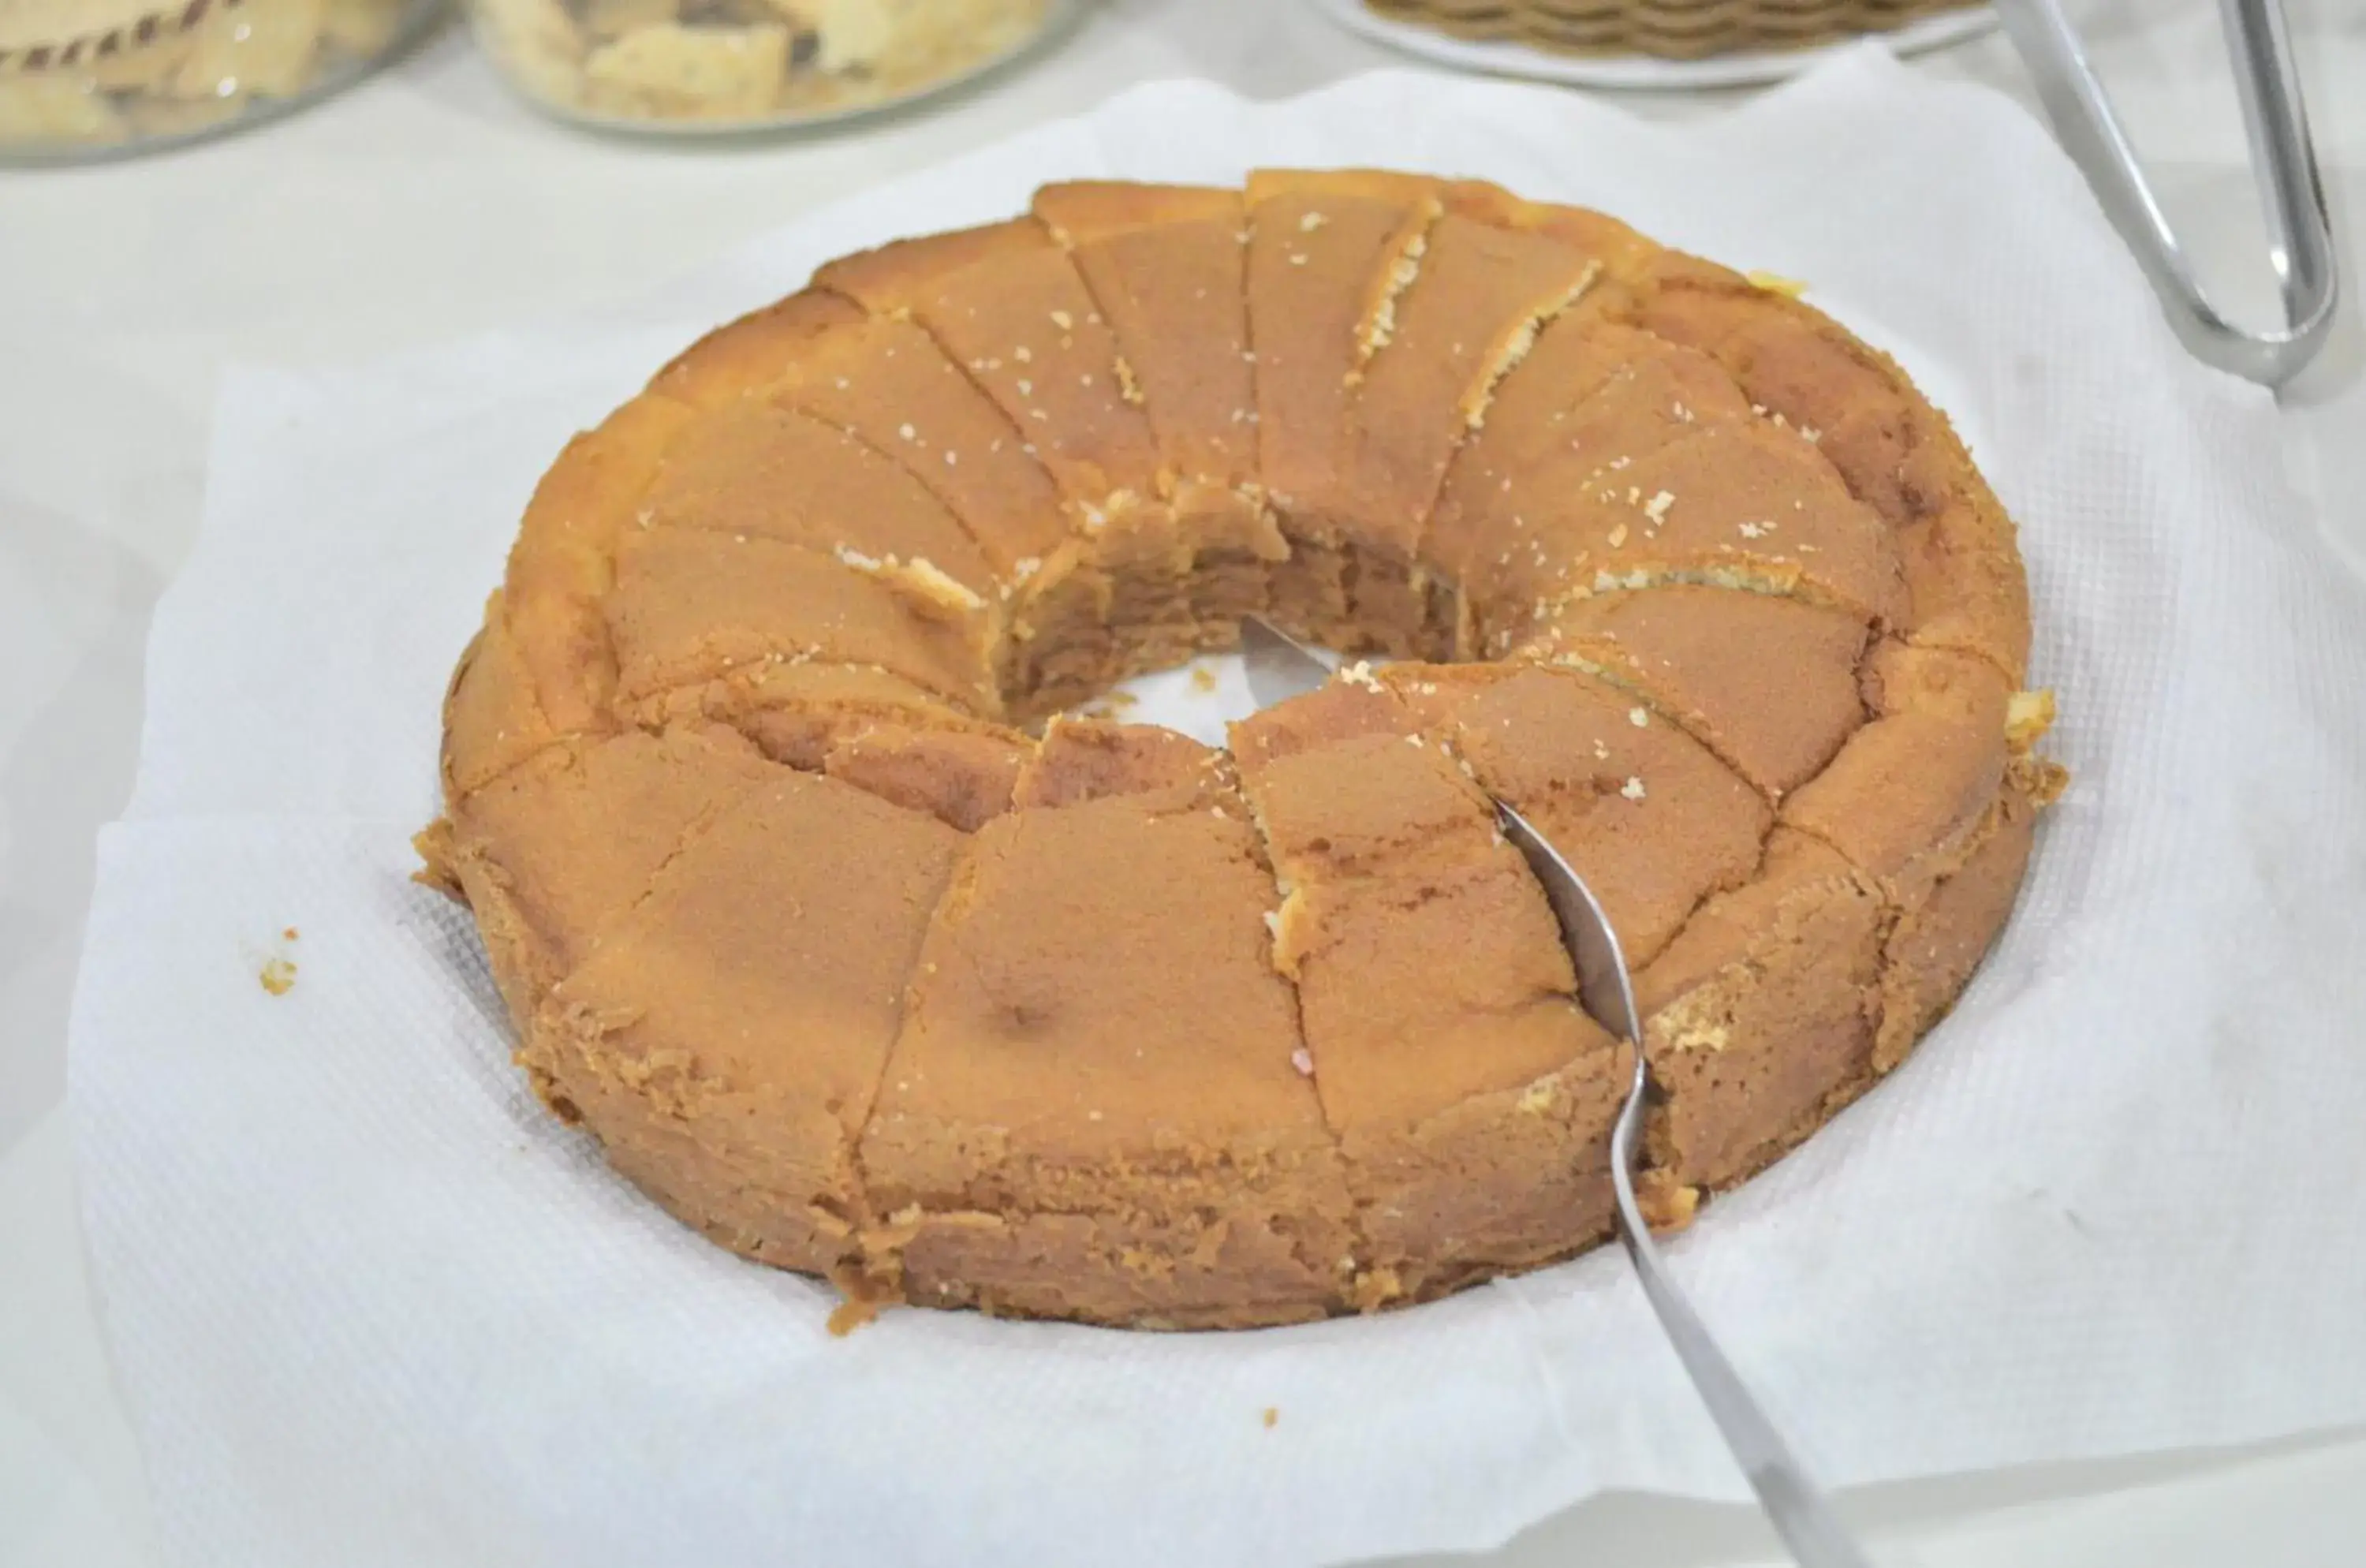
<point x="1670" y="30"/>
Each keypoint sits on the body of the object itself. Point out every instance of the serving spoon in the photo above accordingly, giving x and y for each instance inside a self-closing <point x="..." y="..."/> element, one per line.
<point x="1278" y="669"/>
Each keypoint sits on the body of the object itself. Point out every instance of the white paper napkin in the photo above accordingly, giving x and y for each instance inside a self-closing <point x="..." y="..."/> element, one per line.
<point x="371" y="1306"/>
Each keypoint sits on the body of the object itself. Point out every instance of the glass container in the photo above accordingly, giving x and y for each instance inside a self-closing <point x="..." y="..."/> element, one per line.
<point x="734" y="66"/>
<point x="83" y="79"/>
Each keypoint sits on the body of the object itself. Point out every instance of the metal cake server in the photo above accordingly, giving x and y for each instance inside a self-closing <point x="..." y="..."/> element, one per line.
<point x="1280" y="668"/>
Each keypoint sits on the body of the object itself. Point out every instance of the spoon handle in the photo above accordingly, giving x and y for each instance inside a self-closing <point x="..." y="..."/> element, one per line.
<point x="1605" y="990"/>
<point x="1794" y="1504"/>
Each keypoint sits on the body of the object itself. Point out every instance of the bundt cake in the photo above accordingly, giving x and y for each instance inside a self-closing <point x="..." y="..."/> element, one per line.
<point x="860" y="952"/>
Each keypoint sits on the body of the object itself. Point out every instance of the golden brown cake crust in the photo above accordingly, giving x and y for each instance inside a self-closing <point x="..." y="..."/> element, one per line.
<point x="858" y="965"/>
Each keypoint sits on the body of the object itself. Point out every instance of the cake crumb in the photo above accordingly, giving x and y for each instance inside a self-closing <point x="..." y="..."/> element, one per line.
<point x="278" y="976"/>
<point x="1203" y="678"/>
<point x="1656" y="508"/>
<point x="1667" y="1203"/>
<point x="1271" y="1416"/>
<point x="289" y="935"/>
<point x="1633" y="788"/>
<point x="1776" y="283"/>
<point x="850" y="1314"/>
<point x="2027" y="715"/>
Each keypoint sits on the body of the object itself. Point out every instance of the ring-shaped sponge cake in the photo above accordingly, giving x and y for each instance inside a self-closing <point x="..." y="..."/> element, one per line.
<point x="859" y="955"/>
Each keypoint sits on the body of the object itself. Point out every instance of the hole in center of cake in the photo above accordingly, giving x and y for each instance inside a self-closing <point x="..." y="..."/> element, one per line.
<point x="1163" y="649"/>
<point x="1199" y="698"/>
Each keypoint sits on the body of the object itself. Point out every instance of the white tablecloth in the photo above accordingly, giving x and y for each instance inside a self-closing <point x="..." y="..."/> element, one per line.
<point x="426" y="205"/>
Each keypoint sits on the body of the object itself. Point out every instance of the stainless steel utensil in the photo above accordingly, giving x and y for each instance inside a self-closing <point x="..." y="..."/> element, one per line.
<point x="1280" y="668"/>
<point x="2282" y="158"/>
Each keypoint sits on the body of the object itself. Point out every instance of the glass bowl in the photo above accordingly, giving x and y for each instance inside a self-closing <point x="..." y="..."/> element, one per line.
<point x="729" y="67"/>
<point x="88" y="79"/>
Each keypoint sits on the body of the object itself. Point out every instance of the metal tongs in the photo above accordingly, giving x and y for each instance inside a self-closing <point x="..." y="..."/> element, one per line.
<point x="1280" y="668"/>
<point x="2282" y="157"/>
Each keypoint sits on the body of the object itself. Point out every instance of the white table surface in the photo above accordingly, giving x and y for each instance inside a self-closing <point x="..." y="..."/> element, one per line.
<point x="427" y="205"/>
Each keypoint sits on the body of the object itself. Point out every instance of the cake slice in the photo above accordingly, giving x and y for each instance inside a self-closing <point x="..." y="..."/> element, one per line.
<point x="1572" y="359"/>
<point x="754" y="468"/>
<point x="492" y="717"/>
<point x="1758" y="1021"/>
<point x="1767" y="685"/>
<point x="728" y="1038"/>
<point x="1028" y="332"/>
<point x="891" y="280"/>
<point x="889" y="382"/>
<point x="1006" y="306"/>
<point x="691" y="606"/>
<point x="960" y="777"/>
<point x="565" y="560"/>
<point x="1471" y="1098"/>
<point x="1471" y="313"/>
<point x="1647" y="816"/>
<point x="1624" y="252"/>
<point x="1740" y="505"/>
<point x="1083" y="760"/>
<point x="1537" y="449"/>
<point x="1165" y="266"/>
<point x="1897" y="452"/>
<point x="1328" y="254"/>
<point x="1903" y="798"/>
<point x="798" y="710"/>
<point x="1930" y="953"/>
<point x="1945" y="855"/>
<point x="752" y="352"/>
<point x="1091" y="1109"/>
<point x="547" y="853"/>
